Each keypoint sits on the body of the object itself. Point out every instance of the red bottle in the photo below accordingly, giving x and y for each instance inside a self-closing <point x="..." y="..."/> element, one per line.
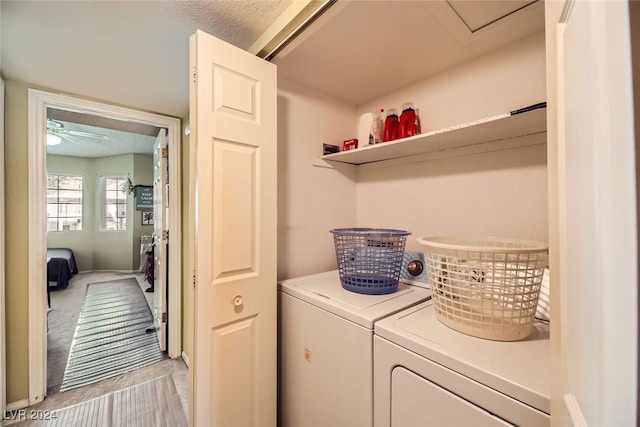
<point x="408" y="121"/>
<point x="391" y="124"/>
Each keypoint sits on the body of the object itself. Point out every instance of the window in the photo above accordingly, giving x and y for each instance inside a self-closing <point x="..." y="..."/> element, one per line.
<point x="64" y="203"/>
<point x="115" y="204"/>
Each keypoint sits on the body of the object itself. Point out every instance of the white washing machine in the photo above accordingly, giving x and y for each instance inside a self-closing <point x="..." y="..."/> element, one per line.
<point x="326" y="349"/>
<point x="427" y="374"/>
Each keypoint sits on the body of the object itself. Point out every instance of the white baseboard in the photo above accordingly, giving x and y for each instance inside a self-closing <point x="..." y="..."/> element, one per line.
<point x="19" y="404"/>
<point x="185" y="358"/>
<point x="109" y="271"/>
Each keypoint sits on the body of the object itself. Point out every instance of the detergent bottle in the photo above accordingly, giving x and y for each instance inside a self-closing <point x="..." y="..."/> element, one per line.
<point x="408" y="122"/>
<point x="391" y="125"/>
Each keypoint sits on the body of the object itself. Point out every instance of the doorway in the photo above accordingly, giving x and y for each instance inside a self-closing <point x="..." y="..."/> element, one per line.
<point x="39" y="102"/>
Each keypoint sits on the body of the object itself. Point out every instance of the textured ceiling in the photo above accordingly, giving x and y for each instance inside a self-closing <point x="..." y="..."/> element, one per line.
<point x="117" y="142"/>
<point x="113" y="137"/>
<point x="133" y="53"/>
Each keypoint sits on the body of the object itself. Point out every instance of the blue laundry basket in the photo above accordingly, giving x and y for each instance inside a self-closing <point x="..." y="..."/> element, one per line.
<point x="369" y="259"/>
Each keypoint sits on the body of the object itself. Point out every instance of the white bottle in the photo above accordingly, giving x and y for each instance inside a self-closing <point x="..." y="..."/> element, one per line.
<point x="364" y="129"/>
<point x="377" y="127"/>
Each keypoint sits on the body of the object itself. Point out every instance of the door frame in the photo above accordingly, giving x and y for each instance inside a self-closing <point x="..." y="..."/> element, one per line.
<point x="38" y="102"/>
<point x="3" y="367"/>
<point x="159" y="245"/>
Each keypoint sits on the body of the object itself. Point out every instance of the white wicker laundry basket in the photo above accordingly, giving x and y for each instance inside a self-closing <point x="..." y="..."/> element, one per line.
<point x="487" y="287"/>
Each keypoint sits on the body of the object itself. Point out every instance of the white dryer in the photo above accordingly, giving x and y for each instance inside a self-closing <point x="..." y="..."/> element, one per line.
<point x="326" y="349"/>
<point x="427" y="374"/>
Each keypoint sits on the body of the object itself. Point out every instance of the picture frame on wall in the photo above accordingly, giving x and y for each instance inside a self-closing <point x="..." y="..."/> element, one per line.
<point x="147" y="218"/>
<point x="144" y="197"/>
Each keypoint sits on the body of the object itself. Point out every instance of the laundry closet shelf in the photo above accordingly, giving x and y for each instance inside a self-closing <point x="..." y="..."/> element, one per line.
<point x="528" y="121"/>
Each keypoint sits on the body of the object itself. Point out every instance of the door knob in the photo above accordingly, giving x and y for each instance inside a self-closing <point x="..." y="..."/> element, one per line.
<point x="237" y="301"/>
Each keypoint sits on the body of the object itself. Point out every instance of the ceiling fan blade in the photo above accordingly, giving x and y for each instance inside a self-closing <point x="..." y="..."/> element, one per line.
<point x="54" y="125"/>
<point x="57" y="128"/>
<point x="71" y="138"/>
<point x="61" y="133"/>
<point x="86" y="134"/>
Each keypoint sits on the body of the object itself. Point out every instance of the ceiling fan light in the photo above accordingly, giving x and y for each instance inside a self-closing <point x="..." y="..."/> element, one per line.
<point x="53" y="139"/>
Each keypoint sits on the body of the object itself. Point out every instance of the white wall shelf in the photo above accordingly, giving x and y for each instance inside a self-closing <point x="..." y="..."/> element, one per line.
<point x="496" y="128"/>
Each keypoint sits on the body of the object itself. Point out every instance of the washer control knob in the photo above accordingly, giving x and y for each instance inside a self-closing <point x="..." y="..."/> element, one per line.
<point x="415" y="267"/>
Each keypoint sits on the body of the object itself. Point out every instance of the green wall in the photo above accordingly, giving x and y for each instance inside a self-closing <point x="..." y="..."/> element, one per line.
<point x="17" y="249"/>
<point x="95" y="249"/>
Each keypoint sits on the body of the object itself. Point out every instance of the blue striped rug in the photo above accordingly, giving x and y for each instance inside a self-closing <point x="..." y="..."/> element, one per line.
<point x="110" y="337"/>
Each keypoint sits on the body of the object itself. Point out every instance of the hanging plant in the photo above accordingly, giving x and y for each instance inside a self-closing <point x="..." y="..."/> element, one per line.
<point x="129" y="187"/>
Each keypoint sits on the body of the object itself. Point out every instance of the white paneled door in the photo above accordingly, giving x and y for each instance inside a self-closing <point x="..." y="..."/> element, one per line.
<point x="233" y="134"/>
<point x="160" y="253"/>
<point x="597" y="250"/>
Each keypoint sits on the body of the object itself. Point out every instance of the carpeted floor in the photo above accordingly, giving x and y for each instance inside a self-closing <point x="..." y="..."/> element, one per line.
<point x="114" y="334"/>
<point x="62" y="321"/>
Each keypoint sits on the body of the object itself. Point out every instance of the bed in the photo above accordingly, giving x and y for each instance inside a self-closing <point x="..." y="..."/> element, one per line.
<point x="61" y="266"/>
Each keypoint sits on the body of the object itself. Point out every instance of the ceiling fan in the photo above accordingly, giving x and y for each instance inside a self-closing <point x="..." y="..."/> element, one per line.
<point x="56" y="132"/>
